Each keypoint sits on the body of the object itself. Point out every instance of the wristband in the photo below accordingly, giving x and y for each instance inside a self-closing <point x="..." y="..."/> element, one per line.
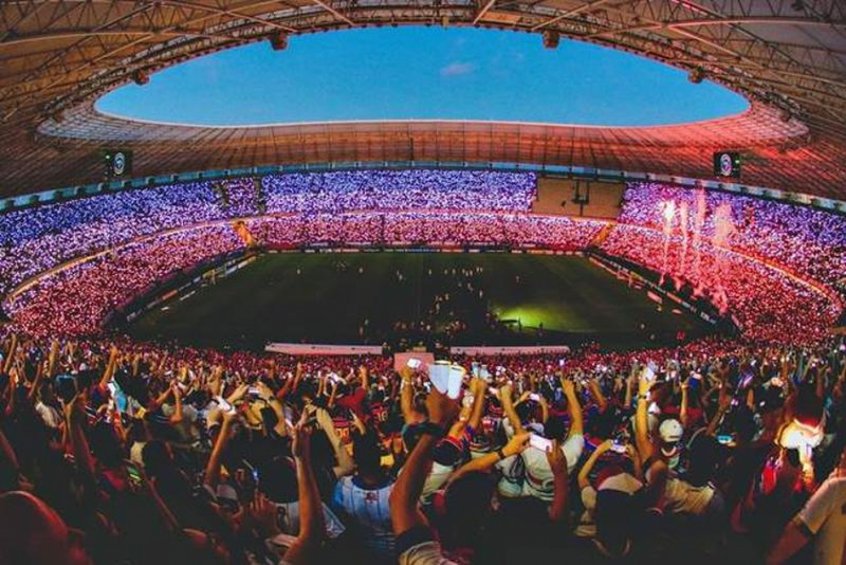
<point x="501" y="454"/>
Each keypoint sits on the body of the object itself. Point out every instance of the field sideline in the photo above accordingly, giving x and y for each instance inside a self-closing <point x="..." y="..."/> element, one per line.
<point x="359" y="297"/>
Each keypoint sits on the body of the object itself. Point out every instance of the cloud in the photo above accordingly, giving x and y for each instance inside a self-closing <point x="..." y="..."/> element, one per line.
<point x="457" y="69"/>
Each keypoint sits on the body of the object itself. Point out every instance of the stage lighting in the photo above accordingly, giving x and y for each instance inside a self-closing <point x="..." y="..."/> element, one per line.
<point x="551" y="39"/>
<point x="140" y="77"/>
<point x="279" y="41"/>
<point x="696" y="75"/>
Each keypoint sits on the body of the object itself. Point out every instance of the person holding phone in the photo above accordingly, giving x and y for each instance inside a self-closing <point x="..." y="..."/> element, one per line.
<point x="539" y="479"/>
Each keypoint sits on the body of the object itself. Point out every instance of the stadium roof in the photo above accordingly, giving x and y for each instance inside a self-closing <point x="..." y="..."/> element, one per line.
<point x="788" y="57"/>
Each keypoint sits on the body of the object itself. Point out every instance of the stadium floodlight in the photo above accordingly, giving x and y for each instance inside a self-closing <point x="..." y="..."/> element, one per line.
<point x="696" y="75"/>
<point x="279" y="41"/>
<point x="551" y="39"/>
<point x="140" y="77"/>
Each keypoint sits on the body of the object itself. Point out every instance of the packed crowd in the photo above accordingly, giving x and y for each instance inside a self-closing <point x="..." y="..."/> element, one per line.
<point x="37" y="239"/>
<point x="766" y="304"/>
<point x="413" y="189"/>
<point x="130" y="453"/>
<point x="428" y="228"/>
<point x="807" y="241"/>
<point x="77" y="300"/>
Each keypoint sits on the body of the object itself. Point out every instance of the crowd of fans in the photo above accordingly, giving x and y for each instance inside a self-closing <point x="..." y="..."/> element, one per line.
<point x="413" y="189"/>
<point x="130" y="453"/>
<point x="37" y="239"/>
<point x="807" y="241"/>
<point x="767" y="304"/>
<point x="122" y="452"/>
<point x="77" y="300"/>
<point x="429" y="228"/>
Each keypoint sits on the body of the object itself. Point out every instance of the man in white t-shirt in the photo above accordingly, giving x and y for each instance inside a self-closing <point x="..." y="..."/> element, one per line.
<point x="538" y="479"/>
<point x="822" y="521"/>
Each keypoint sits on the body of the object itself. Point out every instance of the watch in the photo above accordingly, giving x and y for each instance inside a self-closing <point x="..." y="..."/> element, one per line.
<point x="432" y="429"/>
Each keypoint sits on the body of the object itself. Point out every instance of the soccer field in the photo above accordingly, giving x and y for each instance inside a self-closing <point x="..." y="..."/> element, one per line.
<point x="361" y="297"/>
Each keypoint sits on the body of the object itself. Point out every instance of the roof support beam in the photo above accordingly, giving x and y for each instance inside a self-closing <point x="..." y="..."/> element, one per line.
<point x="483" y="11"/>
<point x="334" y="12"/>
<point x="573" y="12"/>
<point x="717" y="22"/>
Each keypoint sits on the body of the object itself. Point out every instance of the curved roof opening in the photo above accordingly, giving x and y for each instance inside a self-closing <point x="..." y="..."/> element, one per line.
<point x="422" y="73"/>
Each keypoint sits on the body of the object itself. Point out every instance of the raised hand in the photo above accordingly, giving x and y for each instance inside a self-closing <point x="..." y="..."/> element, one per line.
<point x="442" y="409"/>
<point x="556" y="458"/>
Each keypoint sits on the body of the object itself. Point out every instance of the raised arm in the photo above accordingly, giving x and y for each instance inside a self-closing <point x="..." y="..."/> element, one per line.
<point x="683" y="416"/>
<point x="312" y="527"/>
<point x="577" y="424"/>
<point x="479" y="388"/>
<point x="110" y="368"/>
<point x="561" y="494"/>
<point x="642" y="441"/>
<point x="212" y="476"/>
<point x="74" y="418"/>
<point x="405" y="512"/>
<point x="596" y="393"/>
<point x="723" y="405"/>
<point x="345" y="465"/>
<point x="10" y="354"/>
<point x="407" y="395"/>
<point x="508" y="409"/>
<point x="584" y="473"/>
<point x="516" y="445"/>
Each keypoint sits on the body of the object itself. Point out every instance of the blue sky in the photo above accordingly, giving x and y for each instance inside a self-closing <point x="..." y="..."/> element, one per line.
<point x="422" y="73"/>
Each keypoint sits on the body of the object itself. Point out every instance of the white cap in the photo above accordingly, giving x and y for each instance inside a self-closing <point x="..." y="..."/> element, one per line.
<point x="670" y="430"/>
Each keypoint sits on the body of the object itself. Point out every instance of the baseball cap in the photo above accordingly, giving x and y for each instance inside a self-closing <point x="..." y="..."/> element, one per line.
<point x="670" y="431"/>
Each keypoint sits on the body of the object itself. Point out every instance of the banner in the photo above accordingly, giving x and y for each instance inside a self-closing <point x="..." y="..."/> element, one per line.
<point x="481" y="351"/>
<point x="401" y="359"/>
<point x="322" y="349"/>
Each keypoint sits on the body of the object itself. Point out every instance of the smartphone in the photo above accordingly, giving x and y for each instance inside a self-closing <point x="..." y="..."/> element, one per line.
<point x="484" y="374"/>
<point x="414" y="363"/>
<point x="649" y="372"/>
<point x="618" y="447"/>
<point x="535" y="397"/>
<point x="562" y="362"/>
<point x="455" y="379"/>
<point x="725" y="440"/>
<point x="136" y="480"/>
<point x="540" y="442"/>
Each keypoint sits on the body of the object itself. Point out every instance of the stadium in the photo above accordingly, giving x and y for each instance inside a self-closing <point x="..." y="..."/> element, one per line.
<point x="430" y="339"/>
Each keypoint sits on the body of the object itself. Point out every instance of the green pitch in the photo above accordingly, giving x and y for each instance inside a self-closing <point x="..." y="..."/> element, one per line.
<point x="360" y="297"/>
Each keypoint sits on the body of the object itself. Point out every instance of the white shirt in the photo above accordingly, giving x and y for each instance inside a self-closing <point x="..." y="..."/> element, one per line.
<point x="683" y="498"/>
<point x="50" y="415"/>
<point x="539" y="479"/>
<point x="371" y="509"/>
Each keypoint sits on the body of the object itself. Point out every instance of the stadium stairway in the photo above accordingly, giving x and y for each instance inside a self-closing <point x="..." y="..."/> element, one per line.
<point x="602" y="235"/>
<point x="243" y="233"/>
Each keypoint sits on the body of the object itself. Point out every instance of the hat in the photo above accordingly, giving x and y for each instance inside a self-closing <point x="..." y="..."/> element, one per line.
<point x="670" y="431"/>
